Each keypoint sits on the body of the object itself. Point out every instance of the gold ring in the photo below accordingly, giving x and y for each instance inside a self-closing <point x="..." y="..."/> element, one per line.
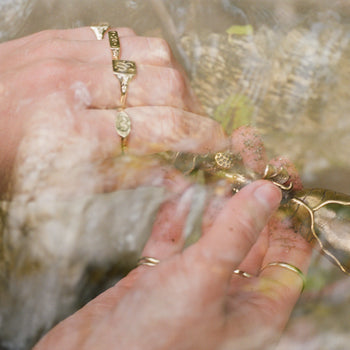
<point x="114" y="44"/>
<point x="148" y="261"/>
<point x="288" y="267"/>
<point x="242" y="273"/>
<point x="100" y="30"/>
<point x="123" y="127"/>
<point x="125" y="72"/>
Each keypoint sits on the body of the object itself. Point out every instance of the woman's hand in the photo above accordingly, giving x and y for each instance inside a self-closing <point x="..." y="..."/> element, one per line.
<point x="192" y="299"/>
<point x="58" y="98"/>
<point x="58" y="101"/>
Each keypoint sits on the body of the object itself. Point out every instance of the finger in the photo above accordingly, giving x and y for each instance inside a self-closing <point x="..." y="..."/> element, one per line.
<point x="255" y="258"/>
<point x="277" y="287"/>
<point x="96" y="86"/>
<point x="214" y="206"/>
<point x="153" y="130"/>
<point x="86" y="31"/>
<point x="23" y="48"/>
<point x="142" y="50"/>
<point x="253" y="261"/>
<point x="168" y="235"/>
<point x="286" y="245"/>
<point x="248" y="146"/>
<point x="247" y="142"/>
<point x="65" y="45"/>
<point x="236" y="229"/>
<point x="82" y="33"/>
<point x="157" y="48"/>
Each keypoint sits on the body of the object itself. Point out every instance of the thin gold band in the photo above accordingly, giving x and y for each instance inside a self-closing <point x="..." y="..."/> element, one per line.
<point x="242" y="273"/>
<point x="288" y="267"/>
<point x="99" y="30"/>
<point x="147" y="261"/>
<point x="124" y="145"/>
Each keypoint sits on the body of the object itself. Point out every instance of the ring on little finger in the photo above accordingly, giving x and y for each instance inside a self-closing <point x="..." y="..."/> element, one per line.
<point x="148" y="261"/>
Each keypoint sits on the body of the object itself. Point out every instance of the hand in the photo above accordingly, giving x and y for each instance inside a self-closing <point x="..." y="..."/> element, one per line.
<point x="58" y="97"/>
<point x="191" y="300"/>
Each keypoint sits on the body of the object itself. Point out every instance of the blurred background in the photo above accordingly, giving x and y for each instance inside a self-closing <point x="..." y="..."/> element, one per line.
<point x="282" y="66"/>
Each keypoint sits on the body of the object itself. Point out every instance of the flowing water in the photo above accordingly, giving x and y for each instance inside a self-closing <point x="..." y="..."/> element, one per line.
<point x="282" y="66"/>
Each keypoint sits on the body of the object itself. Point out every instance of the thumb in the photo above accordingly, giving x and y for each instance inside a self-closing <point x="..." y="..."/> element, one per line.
<point x="237" y="227"/>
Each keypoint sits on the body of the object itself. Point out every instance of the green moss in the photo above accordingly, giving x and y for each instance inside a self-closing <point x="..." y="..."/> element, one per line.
<point x="240" y="30"/>
<point x="235" y="111"/>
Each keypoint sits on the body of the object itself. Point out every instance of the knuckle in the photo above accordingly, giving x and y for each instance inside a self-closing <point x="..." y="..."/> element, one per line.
<point x="174" y="126"/>
<point x="163" y="50"/>
<point x="173" y="118"/>
<point x="247" y="227"/>
<point x="53" y="70"/>
<point x="177" y="82"/>
<point x="51" y="46"/>
<point x="45" y="34"/>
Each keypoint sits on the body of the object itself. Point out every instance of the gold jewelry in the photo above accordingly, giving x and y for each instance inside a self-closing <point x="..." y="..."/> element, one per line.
<point x="224" y="160"/>
<point x="288" y="267"/>
<point x="242" y="273"/>
<point x="114" y="44"/>
<point x="123" y="127"/>
<point x="125" y="72"/>
<point x="147" y="261"/>
<point x="100" y="30"/>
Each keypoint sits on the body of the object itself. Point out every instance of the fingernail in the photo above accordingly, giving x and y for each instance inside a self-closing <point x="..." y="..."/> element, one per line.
<point x="268" y="195"/>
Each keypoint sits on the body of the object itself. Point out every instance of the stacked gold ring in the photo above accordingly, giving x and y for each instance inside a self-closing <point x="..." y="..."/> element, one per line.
<point x="124" y="71"/>
<point x="99" y="30"/>
<point x="114" y="44"/>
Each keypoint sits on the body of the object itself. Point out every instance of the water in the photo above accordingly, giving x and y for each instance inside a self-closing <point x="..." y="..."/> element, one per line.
<point x="282" y="66"/>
